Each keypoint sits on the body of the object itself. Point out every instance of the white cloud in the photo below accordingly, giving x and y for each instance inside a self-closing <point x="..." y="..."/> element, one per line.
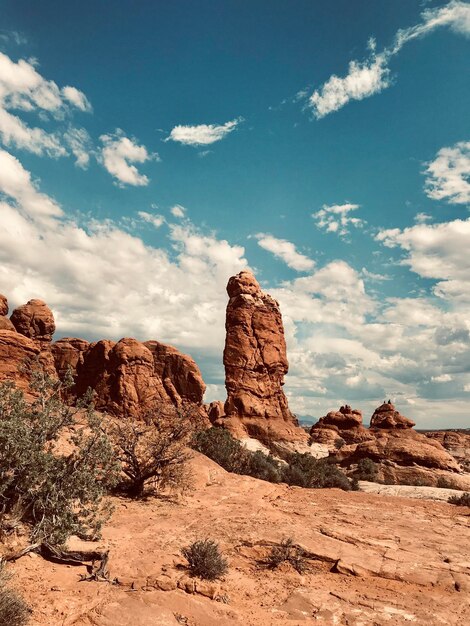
<point x="22" y="88"/>
<point x="286" y="251"/>
<point x="118" y="153"/>
<point x="437" y="251"/>
<point x="335" y="218"/>
<point x="420" y="218"/>
<point x="77" y="98"/>
<point x="178" y="211"/>
<point x="152" y="218"/>
<point x="363" y="80"/>
<point x="448" y="176"/>
<point x="104" y="282"/>
<point x="202" y="134"/>
<point x="369" y="77"/>
<point x="455" y="15"/>
<point x="16" y="183"/>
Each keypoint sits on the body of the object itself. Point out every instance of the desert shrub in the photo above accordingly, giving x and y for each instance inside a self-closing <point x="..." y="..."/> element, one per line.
<point x="445" y="483"/>
<point x="153" y="450"/>
<point x="205" y="559"/>
<point x="13" y="609"/>
<point x="220" y="446"/>
<point x="287" y="552"/>
<point x="367" y="470"/>
<point x="462" y="500"/>
<point x="304" y="470"/>
<point x="339" y="443"/>
<point x="262" y="466"/>
<point x="54" y="493"/>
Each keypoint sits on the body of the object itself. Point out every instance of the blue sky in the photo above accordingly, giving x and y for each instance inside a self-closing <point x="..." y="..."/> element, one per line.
<point x="150" y="150"/>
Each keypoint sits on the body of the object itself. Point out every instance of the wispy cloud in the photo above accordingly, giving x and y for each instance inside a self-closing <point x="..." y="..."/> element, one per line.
<point x="286" y="251"/>
<point x="336" y="219"/>
<point x="448" y="176"/>
<point x="371" y="76"/>
<point x="151" y="218"/>
<point x="202" y="134"/>
<point x="77" y="98"/>
<point x="118" y="154"/>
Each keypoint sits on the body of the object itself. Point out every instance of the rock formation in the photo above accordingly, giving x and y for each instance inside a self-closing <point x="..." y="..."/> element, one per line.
<point x="34" y="320"/>
<point x="255" y="363"/>
<point x="385" y="416"/>
<point x="343" y="426"/>
<point x="127" y="377"/>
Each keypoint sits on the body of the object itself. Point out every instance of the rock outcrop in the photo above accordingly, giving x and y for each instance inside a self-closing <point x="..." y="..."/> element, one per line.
<point x="339" y="427"/>
<point x="127" y="378"/>
<point x="386" y="416"/>
<point x="255" y="363"/>
<point x="34" y="320"/>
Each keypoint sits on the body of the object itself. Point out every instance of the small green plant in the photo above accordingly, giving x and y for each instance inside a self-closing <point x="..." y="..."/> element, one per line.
<point x="367" y="470"/>
<point x="462" y="500"/>
<point x="205" y="559"/>
<point x="287" y="552"/>
<point x="13" y="609"/>
<point x="339" y="443"/>
<point x="53" y="493"/>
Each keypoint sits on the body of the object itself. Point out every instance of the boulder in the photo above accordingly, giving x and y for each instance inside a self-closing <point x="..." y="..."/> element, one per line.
<point x="255" y="362"/>
<point x="34" y="320"/>
<point x="385" y="416"/>
<point x="5" y="324"/>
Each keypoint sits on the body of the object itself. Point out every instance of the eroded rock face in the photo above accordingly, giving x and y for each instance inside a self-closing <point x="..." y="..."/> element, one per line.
<point x="3" y="305"/>
<point x="386" y="416"/>
<point x="15" y="352"/>
<point x="68" y="354"/>
<point x="255" y="360"/>
<point x="5" y="324"/>
<point x="34" y="320"/>
<point x="130" y="377"/>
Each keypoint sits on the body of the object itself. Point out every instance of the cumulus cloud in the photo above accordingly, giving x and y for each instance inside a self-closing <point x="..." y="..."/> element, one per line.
<point x="102" y="281"/>
<point x="118" y="154"/>
<point x="22" y="88"/>
<point x="369" y="77"/>
<point x="202" y="134"/>
<point x="336" y="219"/>
<point x="436" y="251"/>
<point x="286" y="251"/>
<point x="448" y="176"/>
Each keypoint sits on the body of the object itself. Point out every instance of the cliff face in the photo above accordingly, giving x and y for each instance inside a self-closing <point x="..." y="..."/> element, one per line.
<point x="255" y="363"/>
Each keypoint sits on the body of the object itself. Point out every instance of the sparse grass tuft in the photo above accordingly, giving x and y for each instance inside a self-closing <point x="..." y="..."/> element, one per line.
<point x="205" y="559"/>
<point x="287" y="552"/>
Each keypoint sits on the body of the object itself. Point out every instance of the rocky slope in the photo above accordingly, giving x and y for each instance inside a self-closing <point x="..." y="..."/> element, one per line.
<point x="372" y="560"/>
